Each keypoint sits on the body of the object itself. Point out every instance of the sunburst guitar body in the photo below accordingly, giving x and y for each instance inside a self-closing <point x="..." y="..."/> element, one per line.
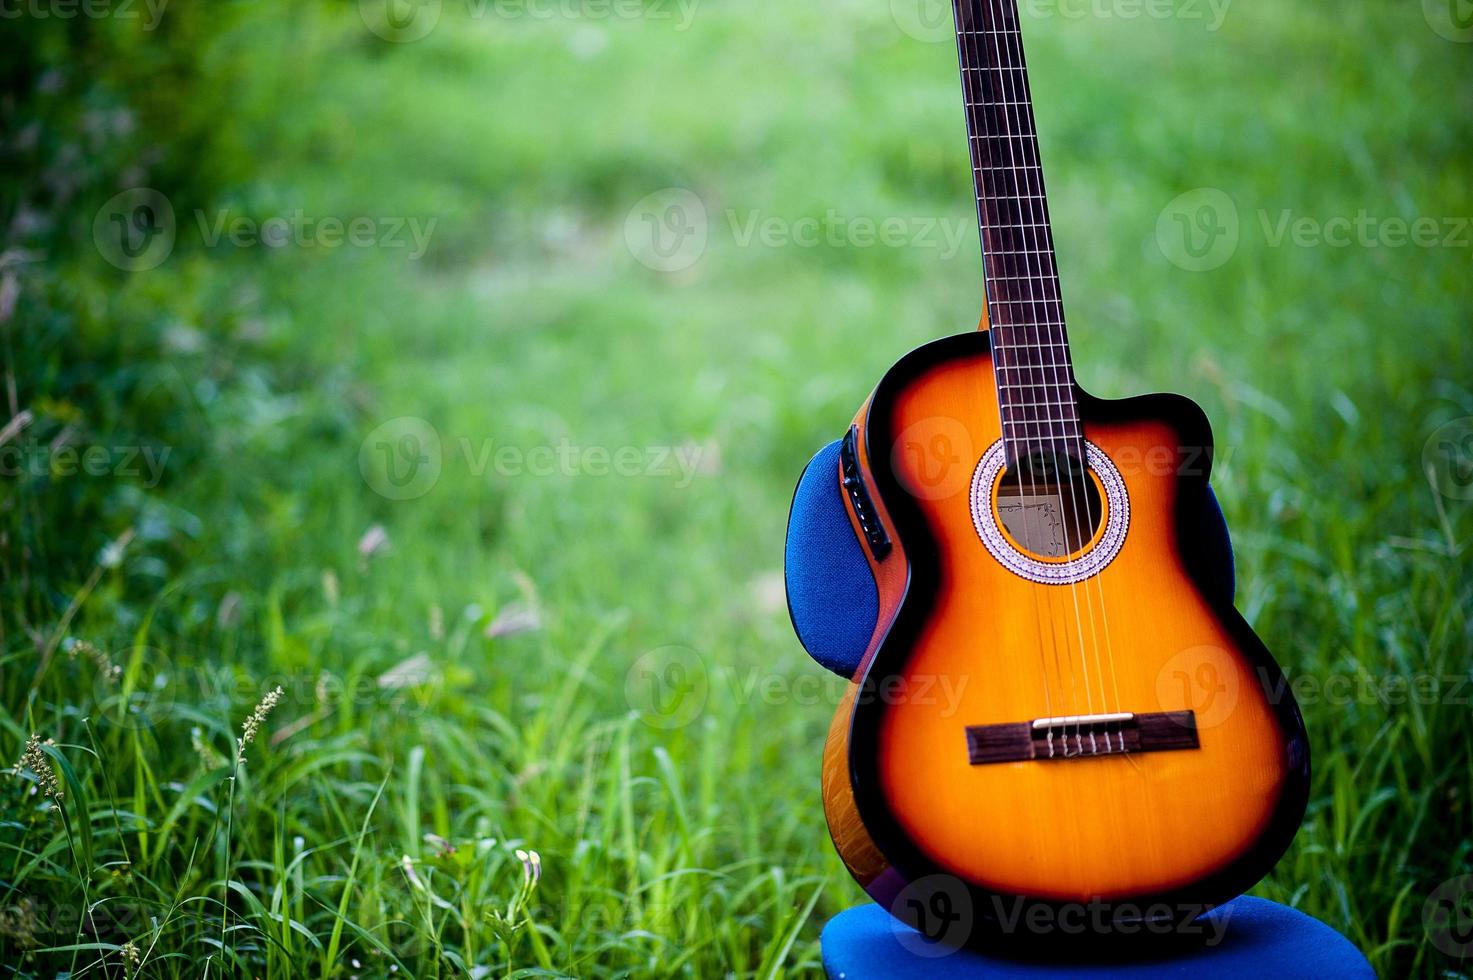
<point x="1056" y="713"/>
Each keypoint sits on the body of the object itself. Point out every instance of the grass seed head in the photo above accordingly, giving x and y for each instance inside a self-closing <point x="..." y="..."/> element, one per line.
<point x="109" y="671"/>
<point x="33" y="759"/>
<point x="252" y="726"/>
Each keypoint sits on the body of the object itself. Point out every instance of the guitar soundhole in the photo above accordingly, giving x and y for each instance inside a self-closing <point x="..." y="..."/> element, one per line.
<point x="1049" y="505"/>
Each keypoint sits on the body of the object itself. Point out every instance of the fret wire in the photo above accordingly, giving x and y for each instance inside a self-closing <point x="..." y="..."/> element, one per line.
<point x="1022" y="405"/>
<point x="1059" y="346"/>
<point x="1061" y="421"/>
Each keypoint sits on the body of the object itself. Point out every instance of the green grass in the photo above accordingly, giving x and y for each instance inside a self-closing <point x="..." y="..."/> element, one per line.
<point x="418" y="747"/>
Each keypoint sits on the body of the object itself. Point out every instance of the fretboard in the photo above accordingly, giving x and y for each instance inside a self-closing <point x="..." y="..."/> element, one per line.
<point x="1035" y="378"/>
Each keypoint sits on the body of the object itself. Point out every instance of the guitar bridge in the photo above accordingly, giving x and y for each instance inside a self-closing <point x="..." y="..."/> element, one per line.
<point x="1069" y="737"/>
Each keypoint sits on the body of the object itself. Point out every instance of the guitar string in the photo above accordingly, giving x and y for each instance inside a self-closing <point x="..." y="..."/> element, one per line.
<point x="989" y="78"/>
<point x="1017" y="147"/>
<point x="1057" y="391"/>
<point x="1000" y="121"/>
<point x="1046" y="263"/>
<point x="1049" y="276"/>
<point x="1052" y="257"/>
<point x="972" y="68"/>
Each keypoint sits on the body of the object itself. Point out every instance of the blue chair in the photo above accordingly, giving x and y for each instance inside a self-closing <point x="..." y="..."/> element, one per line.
<point x="1247" y="937"/>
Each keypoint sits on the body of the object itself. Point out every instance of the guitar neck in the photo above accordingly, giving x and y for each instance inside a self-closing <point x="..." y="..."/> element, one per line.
<point x="1035" y="376"/>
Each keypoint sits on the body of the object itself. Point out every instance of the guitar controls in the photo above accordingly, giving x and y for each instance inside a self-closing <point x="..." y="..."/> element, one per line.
<point x="864" y="510"/>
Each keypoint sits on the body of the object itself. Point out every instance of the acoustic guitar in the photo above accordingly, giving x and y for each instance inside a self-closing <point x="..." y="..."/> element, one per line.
<point x="1115" y="736"/>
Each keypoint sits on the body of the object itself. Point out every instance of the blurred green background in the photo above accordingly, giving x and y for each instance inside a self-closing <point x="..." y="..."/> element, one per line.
<point x="450" y="366"/>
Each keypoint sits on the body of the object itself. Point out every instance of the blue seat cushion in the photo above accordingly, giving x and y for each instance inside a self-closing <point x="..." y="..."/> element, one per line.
<point x="1244" y="938"/>
<point x="832" y="597"/>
